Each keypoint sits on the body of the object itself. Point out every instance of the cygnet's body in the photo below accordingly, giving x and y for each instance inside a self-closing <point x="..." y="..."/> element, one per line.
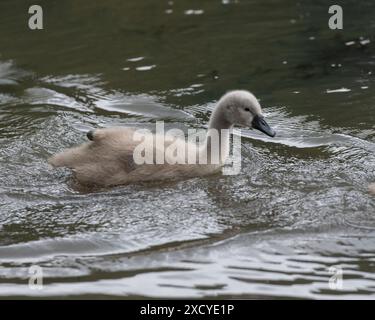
<point x="108" y="159"/>
<point x="371" y="189"/>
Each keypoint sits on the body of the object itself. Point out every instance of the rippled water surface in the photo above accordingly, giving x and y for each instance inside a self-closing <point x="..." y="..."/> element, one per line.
<point x="300" y="205"/>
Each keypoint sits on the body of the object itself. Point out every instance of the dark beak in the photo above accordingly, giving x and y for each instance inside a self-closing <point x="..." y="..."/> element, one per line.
<point x="261" y="124"/>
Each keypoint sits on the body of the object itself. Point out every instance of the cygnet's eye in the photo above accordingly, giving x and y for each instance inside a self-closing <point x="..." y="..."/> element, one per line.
<point x="247" y="109"/>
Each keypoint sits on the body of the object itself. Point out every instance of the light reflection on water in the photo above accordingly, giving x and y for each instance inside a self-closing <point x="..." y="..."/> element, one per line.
<point x="299" y="206"/>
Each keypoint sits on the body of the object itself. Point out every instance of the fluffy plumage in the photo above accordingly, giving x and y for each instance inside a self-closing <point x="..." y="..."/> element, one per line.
<point x="107" y="159"/>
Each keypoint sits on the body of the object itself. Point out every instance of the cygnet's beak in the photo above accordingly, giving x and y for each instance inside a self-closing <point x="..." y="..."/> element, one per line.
<point x="261" y="124"/>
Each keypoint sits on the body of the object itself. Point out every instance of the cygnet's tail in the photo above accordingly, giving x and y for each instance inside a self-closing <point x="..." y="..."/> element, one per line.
<point x="69" y="158"/>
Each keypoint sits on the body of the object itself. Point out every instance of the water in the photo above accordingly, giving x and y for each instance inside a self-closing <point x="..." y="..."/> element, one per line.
<point x="300" y="205"/>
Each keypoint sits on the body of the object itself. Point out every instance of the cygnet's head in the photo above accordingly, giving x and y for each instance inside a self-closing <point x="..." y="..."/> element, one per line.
<point x="241" y="108"/>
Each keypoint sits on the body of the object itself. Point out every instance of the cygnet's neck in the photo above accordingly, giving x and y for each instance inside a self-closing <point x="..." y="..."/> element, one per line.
<point x="218" y="120"/>
<point x="218" y="127"/>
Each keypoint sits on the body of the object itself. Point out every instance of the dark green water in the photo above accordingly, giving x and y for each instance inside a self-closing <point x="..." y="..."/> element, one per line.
<point x="300" y="204"/>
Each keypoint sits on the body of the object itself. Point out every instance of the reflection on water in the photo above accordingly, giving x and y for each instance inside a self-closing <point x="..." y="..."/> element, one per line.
<point x="300" y="205"/>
